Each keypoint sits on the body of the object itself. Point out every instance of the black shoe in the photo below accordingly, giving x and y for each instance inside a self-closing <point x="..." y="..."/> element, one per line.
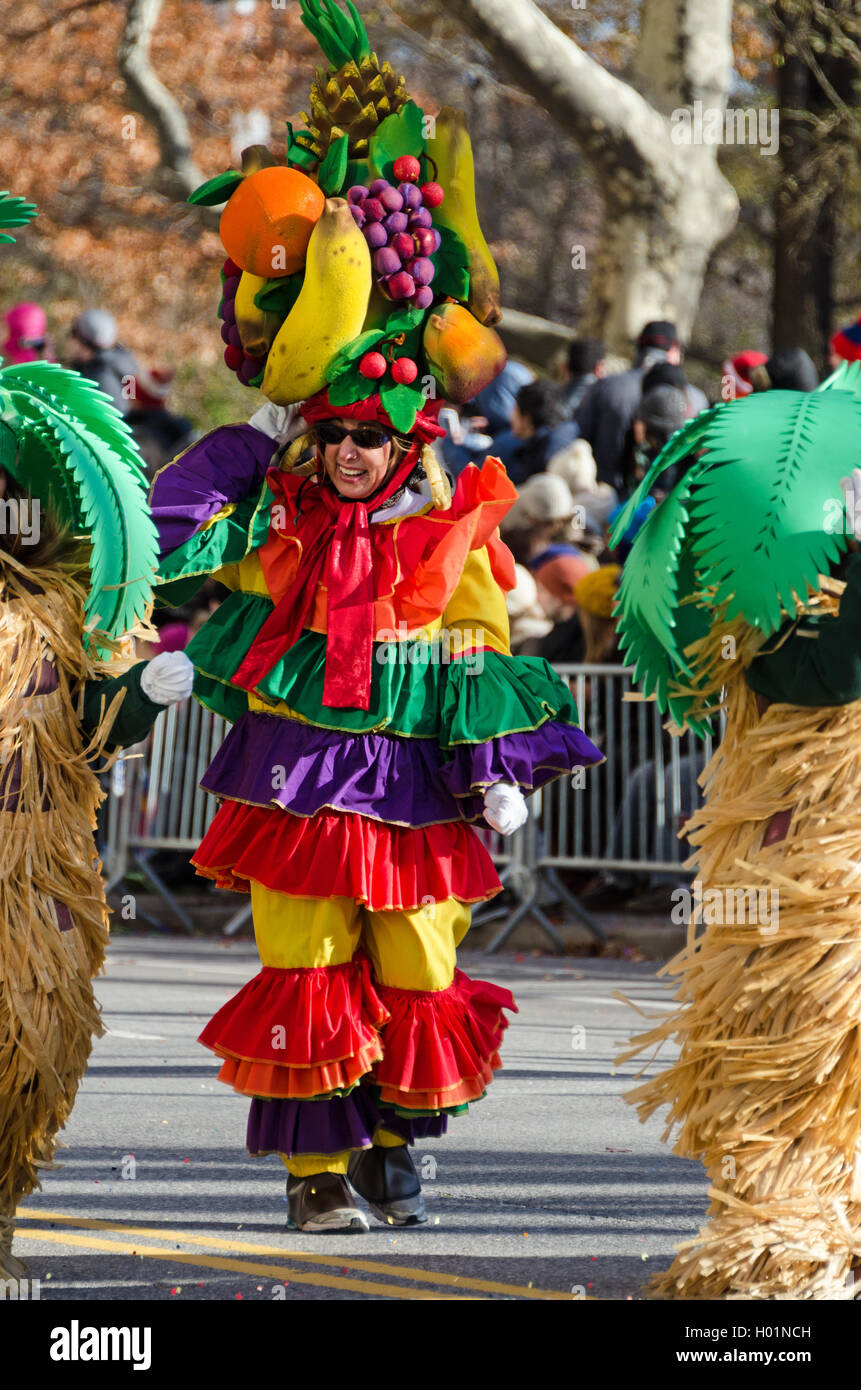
<point x="389" y="1183"/>
<point x="322" y="1203"/>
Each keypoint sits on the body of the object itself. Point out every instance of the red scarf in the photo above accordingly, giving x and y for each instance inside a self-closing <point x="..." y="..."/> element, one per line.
<point x="336" y="549"/>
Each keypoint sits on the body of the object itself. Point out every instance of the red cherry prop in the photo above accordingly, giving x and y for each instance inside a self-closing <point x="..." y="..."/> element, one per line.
<point x="432" y="194"/>
<point x="407" y="168"/>
<point x="404" y="370"/>
<point x="373" y="365"/>
<point x="233" y="356"/>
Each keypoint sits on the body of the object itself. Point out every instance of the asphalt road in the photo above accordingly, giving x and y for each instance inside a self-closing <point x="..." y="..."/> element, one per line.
<point x="550" y="1187"/>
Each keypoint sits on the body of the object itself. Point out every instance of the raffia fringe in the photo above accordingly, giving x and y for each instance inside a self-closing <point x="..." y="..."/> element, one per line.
<point x="766" y="1089"/>
<point x="48" y="1014"/>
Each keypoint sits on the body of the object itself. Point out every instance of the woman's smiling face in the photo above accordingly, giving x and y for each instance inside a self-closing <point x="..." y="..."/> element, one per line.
<point x="356" y="472"/>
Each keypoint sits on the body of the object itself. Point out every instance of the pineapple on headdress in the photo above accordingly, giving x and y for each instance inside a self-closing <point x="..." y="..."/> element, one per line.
<point x="357" y="92"/>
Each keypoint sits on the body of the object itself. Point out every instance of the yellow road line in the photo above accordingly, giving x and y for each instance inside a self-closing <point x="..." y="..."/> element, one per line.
<point x="280" y="1272"/>
<point x="440" y="1279"/>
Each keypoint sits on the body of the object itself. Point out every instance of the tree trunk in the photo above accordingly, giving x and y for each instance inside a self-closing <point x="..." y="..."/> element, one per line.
<point x="666" y="204"/>
<point x="806" y="197"/>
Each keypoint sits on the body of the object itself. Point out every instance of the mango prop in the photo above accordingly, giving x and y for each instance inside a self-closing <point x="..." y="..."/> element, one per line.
<point x="464" y="356"/>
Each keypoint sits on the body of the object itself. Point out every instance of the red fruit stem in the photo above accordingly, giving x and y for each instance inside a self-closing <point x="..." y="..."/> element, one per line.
<point x="397" y="341"/>
<point x="432" y="162"/>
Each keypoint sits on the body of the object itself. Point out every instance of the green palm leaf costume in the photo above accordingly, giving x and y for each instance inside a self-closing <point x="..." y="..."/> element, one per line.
<point x="722" y="603"/>
<point x="64" y="610"/>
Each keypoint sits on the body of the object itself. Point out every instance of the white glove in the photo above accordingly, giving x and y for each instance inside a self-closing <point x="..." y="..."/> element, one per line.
<point x="505" y="808"/>
<point x="852" y="497"/>
<point x="283" y="423"/>
<point x="167" y="678"/>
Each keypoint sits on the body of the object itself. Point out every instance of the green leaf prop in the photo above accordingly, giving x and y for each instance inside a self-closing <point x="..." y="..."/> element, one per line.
<point x="342" y="36"/>
<point x="350" y="385"/>
<point x="401" y="403"/>
<point x="752" y="524"/>
<point x="216" y="190"/>
<point x="401" y="133"/>
<point x="76" y="452"/>
<point x="299" y="153"/>
<point x="353" y="351"/>
<point x="333" y="170"/>
<point x="14" y="212"/>
<point x="279" y="296"/>
<point x="452" y="266"/>
<point x="404" y="320"/>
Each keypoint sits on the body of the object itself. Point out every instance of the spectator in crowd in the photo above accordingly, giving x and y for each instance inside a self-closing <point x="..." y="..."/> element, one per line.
<point x="465" y="440"/>
<point x="592" y="500"/>
<point x="789" y="369"/>
<point x="95" y="352"/>
<point x="538" y="430"/>
<point x="496" y="401"/>
<point x="538" y="530"/>
<point x="736" y="373"/>
<point x="160" y="435"/>
<point x="661" y="412"/>
<point x="587" y="363"/>
<point x="529" y="622"/>
<point x="595" y="596"/>
<point x="26" y="334"/>
<point x="607" y="410"/>
<point x="846" y="345"/>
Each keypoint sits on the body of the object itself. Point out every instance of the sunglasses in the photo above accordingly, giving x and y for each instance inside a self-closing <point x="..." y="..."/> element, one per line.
<point x="35" y="343"/>
<point x="363" y="436"/>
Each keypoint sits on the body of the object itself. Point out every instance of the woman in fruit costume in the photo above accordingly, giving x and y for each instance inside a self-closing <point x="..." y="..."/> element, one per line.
<point x="77" y="554"/>
<point x="725" y="602"/>
<point x="363" y="658"/>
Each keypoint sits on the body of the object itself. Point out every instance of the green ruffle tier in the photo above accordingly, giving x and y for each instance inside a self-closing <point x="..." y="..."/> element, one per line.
<point x="415" y="693"/>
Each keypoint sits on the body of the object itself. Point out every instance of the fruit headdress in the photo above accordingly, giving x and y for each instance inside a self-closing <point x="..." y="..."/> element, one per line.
<point x="63" y="441"/>
<point x="739" y="543"/>
<point x="358" y="264"/>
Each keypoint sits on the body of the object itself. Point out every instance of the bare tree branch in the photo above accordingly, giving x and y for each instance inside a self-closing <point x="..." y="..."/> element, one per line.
<point x="152" y="99"/>
<point x="613" y="123"/>
<point x="685" y="53"/>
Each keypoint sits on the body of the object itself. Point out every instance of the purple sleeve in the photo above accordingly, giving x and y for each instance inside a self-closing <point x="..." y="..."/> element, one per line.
<point x="224" y="466"/>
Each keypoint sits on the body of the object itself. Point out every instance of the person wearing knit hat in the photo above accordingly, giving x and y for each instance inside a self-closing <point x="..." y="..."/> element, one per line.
<point x="363" y="658"/>
<point x="26" y="334"/>
<point x="846" y="344"/>
<point x="576" y="466"/>
<point x="736" y="373"/>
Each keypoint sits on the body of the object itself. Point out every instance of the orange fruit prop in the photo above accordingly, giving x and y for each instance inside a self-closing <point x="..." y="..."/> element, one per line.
<point x="267" y="223"/>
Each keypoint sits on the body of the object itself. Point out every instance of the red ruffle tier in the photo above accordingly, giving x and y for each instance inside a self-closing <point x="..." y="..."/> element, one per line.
<point x="343" y="854"/>
<point x="441" y="1047"/>
<point x="299" y="1033"/>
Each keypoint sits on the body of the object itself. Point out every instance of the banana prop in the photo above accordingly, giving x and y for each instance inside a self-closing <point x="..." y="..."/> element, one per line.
<point x="451" y="150"/>
<point x="257" y="328"/>
<point x="329" y="312"/>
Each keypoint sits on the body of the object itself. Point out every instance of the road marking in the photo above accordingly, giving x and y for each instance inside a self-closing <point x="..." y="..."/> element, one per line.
<point x="137" y="1037"/>
<point x="251" y="1248"/>
<point x="282" y="1273"/>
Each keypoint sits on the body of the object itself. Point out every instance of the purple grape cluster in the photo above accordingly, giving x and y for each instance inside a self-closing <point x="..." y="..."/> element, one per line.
<point x="245" y="367"/>
<point x="399" y="230"/>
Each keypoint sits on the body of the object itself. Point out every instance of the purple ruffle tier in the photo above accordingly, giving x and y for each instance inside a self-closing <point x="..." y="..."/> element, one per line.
<point x="267" y="760"/>
<point x="293" y="1127"/>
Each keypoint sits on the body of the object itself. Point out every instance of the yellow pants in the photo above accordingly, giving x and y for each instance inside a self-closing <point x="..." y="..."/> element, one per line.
<point x="415" y="949"/>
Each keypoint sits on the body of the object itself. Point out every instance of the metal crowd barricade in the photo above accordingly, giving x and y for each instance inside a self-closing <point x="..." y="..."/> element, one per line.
<point x="623" y="816"/>
<point x="155" y="801"/>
